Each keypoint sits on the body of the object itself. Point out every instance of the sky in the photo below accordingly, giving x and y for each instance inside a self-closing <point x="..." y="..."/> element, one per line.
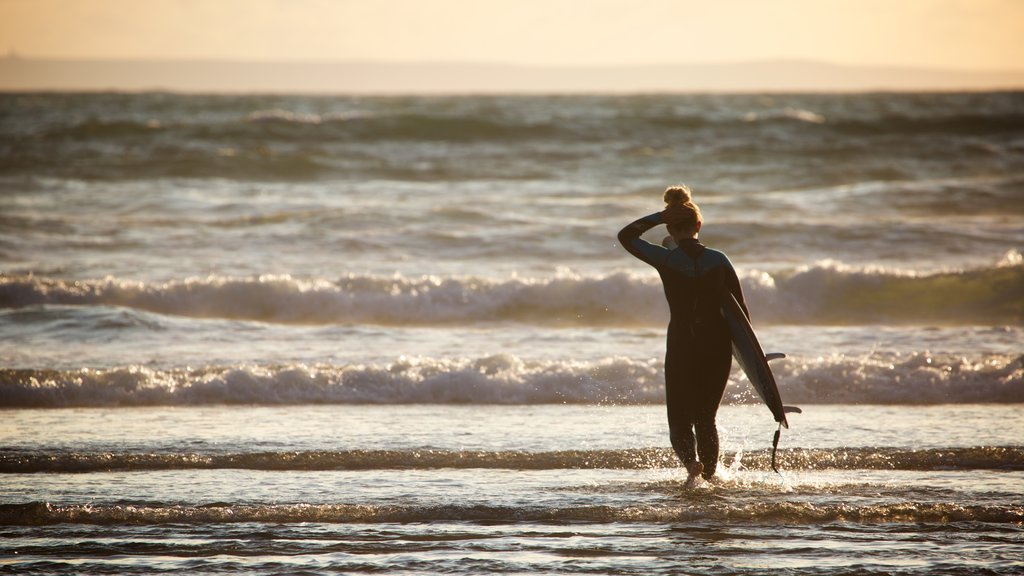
<point x="950" y="34"/>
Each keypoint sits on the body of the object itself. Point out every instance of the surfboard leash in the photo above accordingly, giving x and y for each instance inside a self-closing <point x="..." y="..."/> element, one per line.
<point x="775" y="448"/>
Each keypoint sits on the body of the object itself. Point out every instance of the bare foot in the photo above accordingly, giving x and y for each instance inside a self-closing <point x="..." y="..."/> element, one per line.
<point x="694" y="470"/>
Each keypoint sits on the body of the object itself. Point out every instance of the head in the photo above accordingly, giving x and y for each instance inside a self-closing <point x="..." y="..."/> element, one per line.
<point x="684" y="218"/>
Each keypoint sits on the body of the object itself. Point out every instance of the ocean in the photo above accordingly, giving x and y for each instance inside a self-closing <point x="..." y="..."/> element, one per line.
<point x="282" y="334"/>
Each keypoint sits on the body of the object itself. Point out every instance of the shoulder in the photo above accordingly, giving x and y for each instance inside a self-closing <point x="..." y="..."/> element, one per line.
<point x="711" y="258"/>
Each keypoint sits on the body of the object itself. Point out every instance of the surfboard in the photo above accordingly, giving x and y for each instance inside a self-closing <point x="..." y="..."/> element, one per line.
<point x="752" y="359"/>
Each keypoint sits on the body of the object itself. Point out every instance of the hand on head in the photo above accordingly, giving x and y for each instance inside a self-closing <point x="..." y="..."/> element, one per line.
<point x="676" y="214"/>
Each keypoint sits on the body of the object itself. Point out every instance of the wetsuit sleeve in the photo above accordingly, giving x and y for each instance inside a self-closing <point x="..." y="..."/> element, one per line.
<point x="732" y="282"/>
<point x="629" y="238"/>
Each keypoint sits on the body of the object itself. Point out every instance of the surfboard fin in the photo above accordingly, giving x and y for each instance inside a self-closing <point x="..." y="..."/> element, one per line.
<point x="792" y="410"/>
<point x="773" y="356"/>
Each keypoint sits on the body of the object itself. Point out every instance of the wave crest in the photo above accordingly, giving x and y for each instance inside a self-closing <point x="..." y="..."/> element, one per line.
<point x="504" y="379"/>
<point x="826" y="293"/>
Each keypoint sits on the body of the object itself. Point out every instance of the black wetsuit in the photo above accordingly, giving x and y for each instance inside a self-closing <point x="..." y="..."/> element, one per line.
<point x="698" y="354"/>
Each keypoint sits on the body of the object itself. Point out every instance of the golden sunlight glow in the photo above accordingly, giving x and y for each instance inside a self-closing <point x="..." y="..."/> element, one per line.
<point x="955" y="34"/>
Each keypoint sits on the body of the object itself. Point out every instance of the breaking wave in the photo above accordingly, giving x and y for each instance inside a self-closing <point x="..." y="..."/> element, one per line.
<point x="826" y="293"/>
<point x="879" y="378"/>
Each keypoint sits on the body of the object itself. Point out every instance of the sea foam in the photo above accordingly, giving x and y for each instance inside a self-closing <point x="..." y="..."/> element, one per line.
<point x="825" y="293"/>
<point x="880" y="378"/>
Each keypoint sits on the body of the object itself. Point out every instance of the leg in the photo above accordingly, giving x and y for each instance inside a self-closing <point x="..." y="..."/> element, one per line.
<point x="707" y="445"/>
<point x="679" y="404"/>
<point x="680" y="432"/>
<point x="680" y="427"/>
<point x="714" y="377"/>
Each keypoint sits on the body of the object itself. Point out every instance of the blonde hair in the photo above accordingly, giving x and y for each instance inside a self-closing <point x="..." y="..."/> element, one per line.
<point x="680" y="199"/>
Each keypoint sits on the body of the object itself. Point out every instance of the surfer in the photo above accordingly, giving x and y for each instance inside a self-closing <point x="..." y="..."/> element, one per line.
<point x="698" y="354"/>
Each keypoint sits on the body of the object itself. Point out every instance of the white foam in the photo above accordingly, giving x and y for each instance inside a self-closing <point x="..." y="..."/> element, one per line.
<point x="877" y="378"/>
<point x="827" y="292"/>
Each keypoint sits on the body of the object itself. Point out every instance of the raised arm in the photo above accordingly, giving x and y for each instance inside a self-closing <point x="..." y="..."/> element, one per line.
<point x="629" y="238"/>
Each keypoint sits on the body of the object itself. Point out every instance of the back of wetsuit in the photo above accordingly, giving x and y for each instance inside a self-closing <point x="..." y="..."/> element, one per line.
<point x="693" y="291"/>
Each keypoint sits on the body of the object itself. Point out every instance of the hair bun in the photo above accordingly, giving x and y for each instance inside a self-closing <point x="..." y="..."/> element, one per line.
<point x="677" y="195"/>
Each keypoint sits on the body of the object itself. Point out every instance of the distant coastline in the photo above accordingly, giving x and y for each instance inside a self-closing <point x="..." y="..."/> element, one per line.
<point x="19" y="73"/>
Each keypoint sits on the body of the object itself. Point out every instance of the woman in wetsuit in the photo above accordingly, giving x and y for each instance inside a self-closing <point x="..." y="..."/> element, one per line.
<point x="698" y="354"/>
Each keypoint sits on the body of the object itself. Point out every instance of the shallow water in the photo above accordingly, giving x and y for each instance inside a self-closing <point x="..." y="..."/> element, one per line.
<point x="505" y="489"/>
<point x="293" y="334"/>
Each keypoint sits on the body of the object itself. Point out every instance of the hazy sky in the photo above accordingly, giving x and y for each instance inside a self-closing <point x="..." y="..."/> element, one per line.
<point x="963" y="34"/>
